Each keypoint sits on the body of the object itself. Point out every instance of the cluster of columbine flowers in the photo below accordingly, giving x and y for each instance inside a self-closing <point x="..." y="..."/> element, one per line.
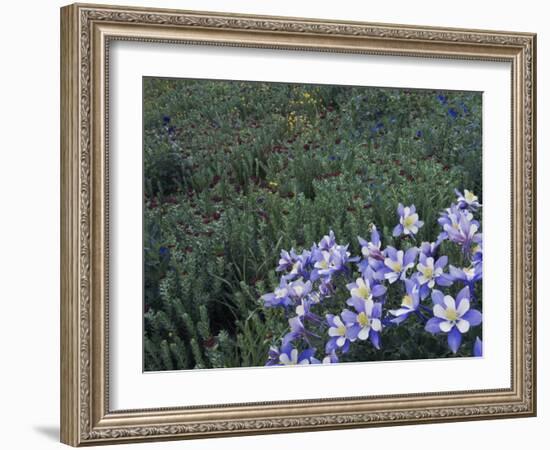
<point x="312" y="278"/>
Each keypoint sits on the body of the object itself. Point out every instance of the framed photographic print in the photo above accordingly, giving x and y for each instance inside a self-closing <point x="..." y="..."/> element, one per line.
<point x="276" y="224"/>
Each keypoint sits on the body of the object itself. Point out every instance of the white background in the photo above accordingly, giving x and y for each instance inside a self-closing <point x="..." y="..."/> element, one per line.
<point x="29" y="177"/>
<point x="133" y="389"/>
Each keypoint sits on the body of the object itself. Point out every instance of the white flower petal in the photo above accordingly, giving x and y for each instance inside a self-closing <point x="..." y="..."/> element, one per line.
<point x="332" y="331"/>
<point x="449" y="302"/>
<point x="463" y="325"/>
<point x="283" y="358"/>
<point x="445" y="326"/>
<point x="341" y="341"/>
<point x="463" y="306"/>
<point x="364" y="333"/>
<point x="376" y="325"/>
<point x="439" y="312"/>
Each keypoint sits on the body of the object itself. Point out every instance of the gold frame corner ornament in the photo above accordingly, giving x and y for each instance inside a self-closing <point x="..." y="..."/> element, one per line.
<point x="86" y="31"/>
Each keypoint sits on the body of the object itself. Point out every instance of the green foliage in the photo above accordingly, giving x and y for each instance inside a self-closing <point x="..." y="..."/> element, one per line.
<point x="236" y="171"/>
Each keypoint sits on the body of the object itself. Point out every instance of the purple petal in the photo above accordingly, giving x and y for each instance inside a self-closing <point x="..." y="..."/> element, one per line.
<point x="331" y="345"/>
<point x="377" y="310"/>
<point x="400" y="210"/>
<point x="375" y="237"/>
<point x="424" y="291"/>
<point x="306" y="354"/>
<point x="478" y="347"/>
<point x="378" y="290"/>
<point x="357" y="303"/>
<point x="345" y="347"/>
<point x="441" y="262"/>
<point x="410" y="256"/>
<point x="464" y="293"/>
<point x="473" y="316"/>
<point x="391" y="253"/>
<point x="454" y="339"/>
<point x="374" y="337"/>
<point x="353" y="331"/>
<point x="397" y="230"/>
<point x="437" y="297"/>
<point x="444" y="280"/>
<point x="456" y="274"/>
<point x="348" y="316"/>
<point x="432" y="326"/>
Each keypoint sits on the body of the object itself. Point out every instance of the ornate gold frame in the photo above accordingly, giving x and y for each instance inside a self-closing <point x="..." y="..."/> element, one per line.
<point x="86" y="31"/>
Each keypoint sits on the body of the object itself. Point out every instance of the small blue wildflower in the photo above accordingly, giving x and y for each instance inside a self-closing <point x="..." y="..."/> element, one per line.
<point x="453" y="113"/>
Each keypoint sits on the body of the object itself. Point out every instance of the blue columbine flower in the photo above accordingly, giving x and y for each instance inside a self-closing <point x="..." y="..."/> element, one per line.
<point x="166" y="120"/>
<point x="280" y="297"/>
<point x="451" y="216"/>
<point x="453" y="317"/>
<point x="468" y="275"/>
<point x="340" y="334"/>
<point x="298" y="289"/>
<point x="365" y="289"/>
<point x="373" y="256"/>
<point x="408" y="221"/>
<point x="409" y="302"/>
<point x="294" y="265"/>
<point x="431" y="248"/>
<point x="289" y="356"/>
<point x="430" y="273"/>
<point x="286" y="261"/>
<point x="330" y="261"/>
<point x="297" y="330"/>
<point x="365" y="323"/>
<point x="442" y="99"/>
<point x="464" y="233"/>
<point x="467" y="200"/>
<point x="397" y="263"/>
<point x="372" y="249"/>
<point x="327" y="242"/>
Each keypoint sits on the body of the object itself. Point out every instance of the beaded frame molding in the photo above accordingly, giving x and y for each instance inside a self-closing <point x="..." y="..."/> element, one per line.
<point x="86" y="33"/>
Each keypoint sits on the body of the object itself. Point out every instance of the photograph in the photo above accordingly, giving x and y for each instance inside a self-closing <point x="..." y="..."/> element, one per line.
<point x="297" y="224"/>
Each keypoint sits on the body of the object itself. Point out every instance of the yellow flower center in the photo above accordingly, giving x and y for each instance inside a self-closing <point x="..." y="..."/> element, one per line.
<point x="364" y="292"/>
<point x="323" y="264"/>
<point x="363" y="319"/>
<point x="342" y="331"/>
<point x="396" y="266"/>
<point x="409" y="221"/>
<point x="407" y="301"/>
<point x="469" y="196"/>
<point x="451" y="315"/>
<point x="428" y="272"/>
